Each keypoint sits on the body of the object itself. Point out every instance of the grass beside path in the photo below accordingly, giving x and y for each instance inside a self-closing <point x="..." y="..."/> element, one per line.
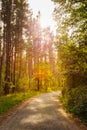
<point x="7" y="102"/>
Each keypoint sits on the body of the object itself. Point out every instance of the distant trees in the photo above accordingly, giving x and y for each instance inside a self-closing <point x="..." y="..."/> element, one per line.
<point x="41" y="48"/>
<point x="42" y="74"/>
<point x="23" y="45"/>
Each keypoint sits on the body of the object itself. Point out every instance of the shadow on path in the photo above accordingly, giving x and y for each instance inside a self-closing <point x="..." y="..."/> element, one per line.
<point x="42" y="113"/>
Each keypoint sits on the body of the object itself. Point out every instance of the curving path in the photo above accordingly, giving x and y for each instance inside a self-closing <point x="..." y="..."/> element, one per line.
<point x="41" y="113"/>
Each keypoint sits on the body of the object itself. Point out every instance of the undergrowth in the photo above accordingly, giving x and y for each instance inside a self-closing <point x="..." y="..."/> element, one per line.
<point x="75" y="101"/>
<point x="7" y="102"/>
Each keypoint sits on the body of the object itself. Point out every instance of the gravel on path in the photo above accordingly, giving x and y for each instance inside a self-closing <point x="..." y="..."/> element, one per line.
<point x="44" y="112"/>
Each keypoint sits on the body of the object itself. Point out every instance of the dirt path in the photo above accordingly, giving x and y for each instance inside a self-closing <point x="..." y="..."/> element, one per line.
<point x="41" y="113"/>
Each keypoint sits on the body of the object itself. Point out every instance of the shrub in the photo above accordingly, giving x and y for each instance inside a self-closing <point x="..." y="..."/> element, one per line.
<point x="75" y="100"/>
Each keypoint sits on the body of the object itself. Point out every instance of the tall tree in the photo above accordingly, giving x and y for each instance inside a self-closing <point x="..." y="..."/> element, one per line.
<point x="72" y="53"/>
<point x="71" y="37"/>
<point x="0" y="47"/>
<point x="15" y="16"/>
<point x="8" y="7"/>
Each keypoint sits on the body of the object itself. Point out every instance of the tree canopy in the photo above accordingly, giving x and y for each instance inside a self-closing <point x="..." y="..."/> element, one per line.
<point x="71" y="44"/>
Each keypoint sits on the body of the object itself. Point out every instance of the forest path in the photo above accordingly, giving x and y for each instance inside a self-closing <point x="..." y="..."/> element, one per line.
<point x="41" y="113"/>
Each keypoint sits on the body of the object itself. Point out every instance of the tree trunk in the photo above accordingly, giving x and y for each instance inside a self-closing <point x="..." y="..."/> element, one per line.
<point x="8" y="45"/>
<point x="38" y="84"/>
<point x="0" y="71"/>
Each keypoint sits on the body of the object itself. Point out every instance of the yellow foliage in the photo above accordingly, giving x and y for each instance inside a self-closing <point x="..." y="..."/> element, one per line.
<point x="42" y="71"/>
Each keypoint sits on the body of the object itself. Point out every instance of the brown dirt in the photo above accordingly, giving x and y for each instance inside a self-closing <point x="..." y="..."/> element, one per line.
<point x="44" y="112"/>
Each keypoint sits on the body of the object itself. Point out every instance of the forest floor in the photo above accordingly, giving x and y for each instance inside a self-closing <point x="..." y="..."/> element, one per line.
<point x="43" y="112"/>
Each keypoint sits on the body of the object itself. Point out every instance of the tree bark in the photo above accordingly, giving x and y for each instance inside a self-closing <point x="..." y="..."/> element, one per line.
<point x="8" y="45"/>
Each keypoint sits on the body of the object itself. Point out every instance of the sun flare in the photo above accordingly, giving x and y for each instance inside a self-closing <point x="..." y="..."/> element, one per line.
<point x="44" y="22"/>
<point x="46" y="8"/>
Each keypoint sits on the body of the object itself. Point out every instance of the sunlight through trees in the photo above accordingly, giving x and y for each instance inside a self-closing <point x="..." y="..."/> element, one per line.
<point x="23" y="46"/>
<point x="33" y="58"/>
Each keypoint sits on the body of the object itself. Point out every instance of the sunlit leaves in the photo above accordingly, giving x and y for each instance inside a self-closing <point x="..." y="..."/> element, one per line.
<point x="42" y="71"/>
<point x="72" y="54"/>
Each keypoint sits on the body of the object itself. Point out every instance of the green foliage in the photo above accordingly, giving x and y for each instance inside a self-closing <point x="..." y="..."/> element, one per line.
<point x="71" y="18"/>
<point x="22" y="84"/>
<point x="7" y="102"/>
<point x="75" y="100"/>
